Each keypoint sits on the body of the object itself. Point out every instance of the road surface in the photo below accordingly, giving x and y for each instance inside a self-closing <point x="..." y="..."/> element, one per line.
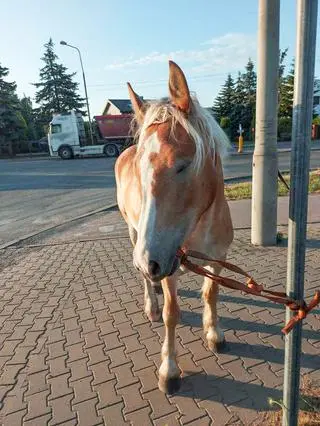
<point x="38" y="193"/>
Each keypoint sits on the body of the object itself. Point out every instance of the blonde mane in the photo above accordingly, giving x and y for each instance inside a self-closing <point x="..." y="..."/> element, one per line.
<point x="199" y="124"/>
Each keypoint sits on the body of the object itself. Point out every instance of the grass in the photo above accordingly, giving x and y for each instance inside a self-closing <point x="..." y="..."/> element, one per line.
<point x="241" y="190"/>
<point x="309" y="407"/>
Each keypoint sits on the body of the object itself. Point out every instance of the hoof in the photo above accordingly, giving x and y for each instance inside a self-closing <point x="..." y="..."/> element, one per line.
<point x="217" y="346"/>
<point x="154" y="316"/>
<point x="169" y="386"/>
<point x="158" y="289"/>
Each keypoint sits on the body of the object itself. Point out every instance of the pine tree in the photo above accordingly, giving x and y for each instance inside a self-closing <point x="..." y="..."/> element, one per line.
<point x="223" y="104"/>
<point x="33" y="130"/>
<point x="11" y="123"/>
<point x="250" y="87"/>
<point x="238" y="101"/>
<point x="286" y="94"/>
<point x="57" y="92"/>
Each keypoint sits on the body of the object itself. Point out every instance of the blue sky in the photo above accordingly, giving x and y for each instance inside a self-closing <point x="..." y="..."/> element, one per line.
<point x="132" y="41"/>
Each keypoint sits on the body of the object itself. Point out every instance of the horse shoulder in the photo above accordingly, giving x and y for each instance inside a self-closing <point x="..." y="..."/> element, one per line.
<point x="128" y="195"/>
<point x="124" y="161"/>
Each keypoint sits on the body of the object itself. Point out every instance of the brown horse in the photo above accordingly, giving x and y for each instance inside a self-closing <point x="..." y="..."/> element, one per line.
<point x="170" y="191"/>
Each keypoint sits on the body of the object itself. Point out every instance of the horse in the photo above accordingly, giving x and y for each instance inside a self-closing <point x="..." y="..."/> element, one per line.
<point x="170" y="192"/>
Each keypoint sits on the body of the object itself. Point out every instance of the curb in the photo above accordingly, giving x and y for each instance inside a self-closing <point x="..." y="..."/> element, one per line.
<point x="279" y="151"/>
<point x="34" y="234"/>
<point x="249" y="177"/>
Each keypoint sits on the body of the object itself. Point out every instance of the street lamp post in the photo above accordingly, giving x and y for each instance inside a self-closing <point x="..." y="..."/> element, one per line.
<point x="85" y="86"/>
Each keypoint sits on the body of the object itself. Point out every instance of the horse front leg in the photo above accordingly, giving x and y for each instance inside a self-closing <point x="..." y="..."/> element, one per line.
<point x="151" y="305"/>
<point x="169" y="371"/>
<point x="213" y="332"/>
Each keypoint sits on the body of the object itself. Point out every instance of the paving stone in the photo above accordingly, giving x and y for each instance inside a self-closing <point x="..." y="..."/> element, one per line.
<point x="238" y="372"/>
<point x="37" y="405"/>
<point x="56" y="350"/>
<point x="113" y="415"/>
<point x="13" y="419"/>
<point x="140" y="359"/>
<point x="76" y="352"/>
<point x="87" y="413"/>
<point x="217" y="411"/>
<point x="112" y="341"/>
<point x="107" y="394"/>
<point x="118" y="357"/>
<point x="73" y="337"/>
<point x="58" y="366"/>
<point x="39" y="421"/>
<point x="170" y="420"/>
<point x="159" y="403"/>
<point x="59" y="386"/>
<point x="140" y="417"/>
<point x="148" y="378"/>
<point x="265" y="374"/>
<point x="203" y="421"/>
<point x="124" y="375"/>
<point x="9" y="374"/>
<point x="132" y="398"/>
<point x="101" y="372"/>
<point x="79" y="369"/>
<point x="61" y="410"/>
<point x="92" y="339"/>
<point x="188" y="407"/>
<point x="37" y="382"/>
<point x="96" y="355"/>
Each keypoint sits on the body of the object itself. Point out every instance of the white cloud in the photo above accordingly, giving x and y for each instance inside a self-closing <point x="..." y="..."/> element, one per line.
<point x="225" y="53"/>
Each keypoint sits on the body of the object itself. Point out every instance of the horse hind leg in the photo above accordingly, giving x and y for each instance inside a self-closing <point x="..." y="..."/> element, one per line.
<point x="214" y="334"/>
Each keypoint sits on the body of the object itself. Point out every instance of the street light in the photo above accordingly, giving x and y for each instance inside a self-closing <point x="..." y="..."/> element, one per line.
<point x="64" y="43"/>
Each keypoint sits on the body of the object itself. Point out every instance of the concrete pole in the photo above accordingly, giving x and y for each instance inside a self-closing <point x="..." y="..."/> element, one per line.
<point x="298" y="208"/>
<point x="265" y="162"/>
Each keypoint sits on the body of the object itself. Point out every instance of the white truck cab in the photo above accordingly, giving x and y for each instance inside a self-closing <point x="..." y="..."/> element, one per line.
<point x="66" y="135"/>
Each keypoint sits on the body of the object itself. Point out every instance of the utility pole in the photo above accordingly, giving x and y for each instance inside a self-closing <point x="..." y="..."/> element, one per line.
<point x="64" y="43"/>
<point x="265" y="162"/>
<point x="298" y="208"/>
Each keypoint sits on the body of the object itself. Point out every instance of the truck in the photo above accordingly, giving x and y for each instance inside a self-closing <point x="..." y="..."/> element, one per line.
<point x="67" y="136"/>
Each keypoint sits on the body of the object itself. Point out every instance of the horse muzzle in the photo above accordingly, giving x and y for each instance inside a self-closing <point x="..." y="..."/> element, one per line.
<point x="154" y="271"/>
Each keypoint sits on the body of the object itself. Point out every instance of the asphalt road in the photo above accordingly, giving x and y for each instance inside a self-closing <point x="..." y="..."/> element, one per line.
<point x="38" y="193"/>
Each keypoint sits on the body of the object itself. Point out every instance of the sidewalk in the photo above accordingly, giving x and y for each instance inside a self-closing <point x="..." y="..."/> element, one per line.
<point x="76" y="347"/>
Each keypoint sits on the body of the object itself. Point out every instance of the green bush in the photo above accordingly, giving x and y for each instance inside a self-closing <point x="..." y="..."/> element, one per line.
<point x="285" y="128"/>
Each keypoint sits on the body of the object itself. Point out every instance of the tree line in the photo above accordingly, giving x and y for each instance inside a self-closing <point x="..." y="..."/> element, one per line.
<point x="56" y="92"/>
<point x="236" y="101"/>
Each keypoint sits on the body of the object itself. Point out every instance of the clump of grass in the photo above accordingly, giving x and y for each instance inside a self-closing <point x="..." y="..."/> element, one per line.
<point x="242" y="190"/>
<point x="309" y="407"/>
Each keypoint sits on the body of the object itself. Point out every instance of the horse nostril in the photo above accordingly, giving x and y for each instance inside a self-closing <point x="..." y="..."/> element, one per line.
<point x="153" y="268"/>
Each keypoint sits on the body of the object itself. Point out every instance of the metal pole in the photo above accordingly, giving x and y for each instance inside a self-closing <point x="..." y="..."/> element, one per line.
<point x="298" y="208"/>
<point x="86" y="93"/>
<point x="265" y="162"/>
<point x="85" y="87"/>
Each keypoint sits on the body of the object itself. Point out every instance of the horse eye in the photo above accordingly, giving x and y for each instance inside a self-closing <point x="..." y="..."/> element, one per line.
<point x="182" y="167"/>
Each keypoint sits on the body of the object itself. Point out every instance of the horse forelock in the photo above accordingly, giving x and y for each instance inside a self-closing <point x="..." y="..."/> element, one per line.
<point x="199" y="124"/>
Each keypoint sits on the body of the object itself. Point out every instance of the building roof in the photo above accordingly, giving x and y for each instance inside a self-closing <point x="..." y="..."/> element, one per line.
<point x="124" y="105"/>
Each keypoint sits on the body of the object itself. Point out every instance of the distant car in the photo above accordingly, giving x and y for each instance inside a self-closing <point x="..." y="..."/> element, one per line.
<point x="40" y="145"/>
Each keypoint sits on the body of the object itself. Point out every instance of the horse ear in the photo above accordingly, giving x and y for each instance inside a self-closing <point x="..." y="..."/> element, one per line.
<point x="178" y="88"/>
<point x="137" y="104"/>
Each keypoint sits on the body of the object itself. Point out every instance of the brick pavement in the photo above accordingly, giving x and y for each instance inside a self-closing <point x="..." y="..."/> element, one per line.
<point x="76" y="347"/>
